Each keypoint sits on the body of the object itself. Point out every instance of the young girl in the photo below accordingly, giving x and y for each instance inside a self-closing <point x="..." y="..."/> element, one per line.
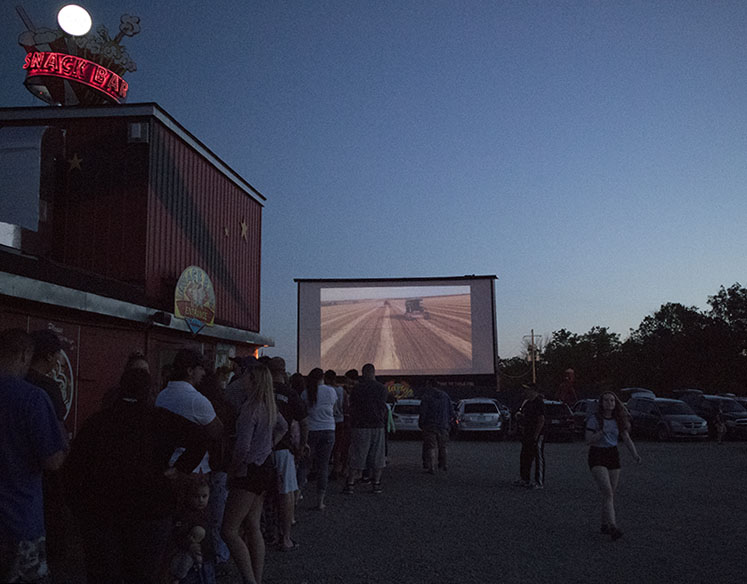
<point x="250" y="473"/>
<point x="604" y="429"/>
<point x="193" y="558"/>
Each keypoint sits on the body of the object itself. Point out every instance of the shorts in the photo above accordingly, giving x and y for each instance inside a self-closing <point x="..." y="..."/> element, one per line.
<point x="367" y="448"/>
<point x="285" y="469"/>
<point x="258" y="479"/>
<point x="608" y="457"/>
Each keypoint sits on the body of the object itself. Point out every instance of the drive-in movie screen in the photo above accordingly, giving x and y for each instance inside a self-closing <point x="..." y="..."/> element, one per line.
<point x="403" y="328"/>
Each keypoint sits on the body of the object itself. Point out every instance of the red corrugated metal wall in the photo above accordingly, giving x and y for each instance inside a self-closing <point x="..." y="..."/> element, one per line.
<point x="140" y="212"/>
<point x="100" y="221"/>
<point x="197" y="216"/>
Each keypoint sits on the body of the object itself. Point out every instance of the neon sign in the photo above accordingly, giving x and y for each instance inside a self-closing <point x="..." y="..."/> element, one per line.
<point x="78" y="70"/>
<point x="63" y="68"/>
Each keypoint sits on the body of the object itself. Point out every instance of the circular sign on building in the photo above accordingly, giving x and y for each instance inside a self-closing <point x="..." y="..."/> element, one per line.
<point x="194" y="299"/>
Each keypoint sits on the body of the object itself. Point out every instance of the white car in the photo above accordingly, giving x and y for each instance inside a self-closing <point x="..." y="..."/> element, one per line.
<point x="406" y="414"/>
<point x="480" y="414"/>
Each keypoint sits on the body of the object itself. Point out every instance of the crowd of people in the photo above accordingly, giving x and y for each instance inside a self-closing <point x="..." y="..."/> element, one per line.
<point x="166" y="484"/>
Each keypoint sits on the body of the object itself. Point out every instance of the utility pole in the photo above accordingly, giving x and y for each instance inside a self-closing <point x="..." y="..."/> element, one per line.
<point x="532" y="353"/>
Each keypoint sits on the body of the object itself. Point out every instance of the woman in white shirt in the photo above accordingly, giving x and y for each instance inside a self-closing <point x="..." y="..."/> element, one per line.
<point x="606" y="427"/>
<point x="320" y="400"/>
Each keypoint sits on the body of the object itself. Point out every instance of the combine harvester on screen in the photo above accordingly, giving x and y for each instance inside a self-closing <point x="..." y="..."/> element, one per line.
<point x="405" y="327"/>
<point x="414" y="309"/>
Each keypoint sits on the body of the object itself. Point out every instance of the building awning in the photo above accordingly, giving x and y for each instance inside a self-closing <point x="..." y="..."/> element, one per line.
<point x="24" y="288"/>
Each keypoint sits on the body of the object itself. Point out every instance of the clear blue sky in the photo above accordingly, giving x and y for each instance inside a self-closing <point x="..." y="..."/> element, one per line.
<point x="593" y="155"/>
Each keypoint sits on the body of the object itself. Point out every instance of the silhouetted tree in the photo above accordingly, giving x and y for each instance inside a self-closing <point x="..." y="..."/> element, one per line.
<point x="677" y="347"/>
<point x="593" y="356"/>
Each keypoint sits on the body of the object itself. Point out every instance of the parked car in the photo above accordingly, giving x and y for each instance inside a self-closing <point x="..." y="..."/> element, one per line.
<point x="559" y="422"/>
<point x="406" y="414"/>
<point x="480" y="414"/>
<point x="734" y="414"/>
<point x="665" y="419"/>
<point x="627" y="392"/>
<point x="582" y="409"/>
<point x="688" y="395"/>
<point x="505" y="412"/>
<point x="742" y="400"/>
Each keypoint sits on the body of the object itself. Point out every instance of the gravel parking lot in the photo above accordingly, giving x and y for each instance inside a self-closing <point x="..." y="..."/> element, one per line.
<point x="683" y="511"/>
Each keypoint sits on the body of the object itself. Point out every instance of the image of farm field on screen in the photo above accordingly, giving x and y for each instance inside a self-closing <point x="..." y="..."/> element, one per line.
<point x="415" y="329"/>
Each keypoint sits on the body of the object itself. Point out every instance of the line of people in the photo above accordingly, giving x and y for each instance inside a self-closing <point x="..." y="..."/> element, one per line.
<point x="166" y="486"/>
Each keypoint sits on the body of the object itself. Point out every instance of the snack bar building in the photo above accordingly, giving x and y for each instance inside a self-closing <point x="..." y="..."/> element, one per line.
<point x="122" y="232"/>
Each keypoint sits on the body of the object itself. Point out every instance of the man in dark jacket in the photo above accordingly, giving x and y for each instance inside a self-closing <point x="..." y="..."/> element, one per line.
<point x="369" y="416"/>
<point x="119" y="483"/>
<point x="532" y="415"/>
<point x="436" y="413"/>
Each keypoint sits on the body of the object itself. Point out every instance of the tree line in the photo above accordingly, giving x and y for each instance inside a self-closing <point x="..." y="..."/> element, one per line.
<point x="676" y="347"/>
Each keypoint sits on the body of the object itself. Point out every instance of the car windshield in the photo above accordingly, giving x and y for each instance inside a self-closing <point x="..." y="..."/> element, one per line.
<point x="675" y="409"/>
<point x="480" y="408"/>
<point x="728" y="405"/>
<point x="406" y="409"/>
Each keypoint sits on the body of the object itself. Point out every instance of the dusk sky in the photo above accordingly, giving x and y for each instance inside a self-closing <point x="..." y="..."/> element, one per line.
<point x="592" y="155"/>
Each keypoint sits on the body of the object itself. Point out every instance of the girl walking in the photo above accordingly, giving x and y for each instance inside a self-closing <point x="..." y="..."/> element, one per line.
<point x="606" y="427"/>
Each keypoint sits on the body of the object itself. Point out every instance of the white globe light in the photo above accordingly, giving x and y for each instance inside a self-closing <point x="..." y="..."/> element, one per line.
<point x="74" y="20"/>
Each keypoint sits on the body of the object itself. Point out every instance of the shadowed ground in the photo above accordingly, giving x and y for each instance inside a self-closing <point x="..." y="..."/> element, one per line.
<point x="683" y="510"/>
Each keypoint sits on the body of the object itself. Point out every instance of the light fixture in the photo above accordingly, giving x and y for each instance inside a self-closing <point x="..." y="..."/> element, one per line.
<point x="74" y="20"/>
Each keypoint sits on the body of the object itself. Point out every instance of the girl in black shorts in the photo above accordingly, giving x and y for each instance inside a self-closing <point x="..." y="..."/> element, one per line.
<point x="604" y="429"/>
<point x="258" y="428"/>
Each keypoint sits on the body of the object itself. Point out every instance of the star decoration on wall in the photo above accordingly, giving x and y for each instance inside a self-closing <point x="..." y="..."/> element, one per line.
<point x="244" y="230"/>
<point x="74" y="162"/>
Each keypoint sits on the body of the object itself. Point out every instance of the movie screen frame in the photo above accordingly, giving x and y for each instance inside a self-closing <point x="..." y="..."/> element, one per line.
<point x="404" y="327"/>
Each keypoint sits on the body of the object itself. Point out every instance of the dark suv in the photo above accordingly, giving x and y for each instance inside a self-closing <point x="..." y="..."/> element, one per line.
<point x="665" y="419"/>
<point x="733" y="413"/>
<point x="559" y="424"/>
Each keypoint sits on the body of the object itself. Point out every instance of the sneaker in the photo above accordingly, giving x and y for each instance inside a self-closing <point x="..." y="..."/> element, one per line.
<point x="536" y="486"/>
<point x="521" y="483"/>
<point x="364" y="481"/>
<point x="377" y="490"/>
<point x="615" y="533"/>
<point x="348" y="490"/>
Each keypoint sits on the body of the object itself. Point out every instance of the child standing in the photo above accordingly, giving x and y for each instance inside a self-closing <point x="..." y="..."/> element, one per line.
<point x="193" y="561"/>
